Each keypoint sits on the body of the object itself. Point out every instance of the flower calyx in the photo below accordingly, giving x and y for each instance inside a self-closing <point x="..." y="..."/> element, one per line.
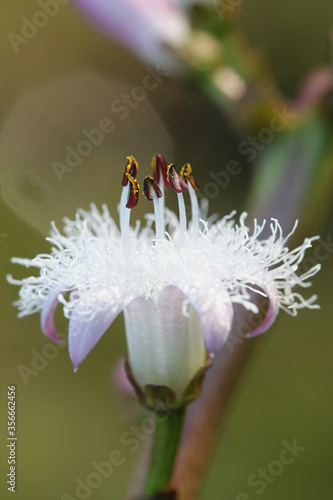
<point x="162" y="399"/>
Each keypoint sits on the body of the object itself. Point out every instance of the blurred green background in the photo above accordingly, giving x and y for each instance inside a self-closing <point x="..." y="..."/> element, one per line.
<point x="65" y="421"/>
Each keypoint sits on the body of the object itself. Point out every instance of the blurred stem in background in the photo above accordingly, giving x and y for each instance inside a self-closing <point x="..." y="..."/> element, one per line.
<point x="223" y="65"/>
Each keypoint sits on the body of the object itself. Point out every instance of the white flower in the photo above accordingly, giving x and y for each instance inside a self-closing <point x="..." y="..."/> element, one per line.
<point x="176" y="282"/>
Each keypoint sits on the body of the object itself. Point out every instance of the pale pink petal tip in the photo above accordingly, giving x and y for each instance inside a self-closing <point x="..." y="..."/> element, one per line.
<point x="84" y="333"/>
<point x="47" y="317"/>
<point x="270" y="317"/>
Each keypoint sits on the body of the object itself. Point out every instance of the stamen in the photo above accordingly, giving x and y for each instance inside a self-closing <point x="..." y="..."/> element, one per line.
<point x="133" y="196"/>
<point x="131" y="169"/>
<point x="182" y="217"/>
<point x="153" y="193"/>
<point x="129" y="199"/>
<point x="185" y="173"/>
<point x="192" y="185"/>
<point x="124" y="219"/>
<point x="160" y="174"/>
<point x="160" y="167"/>
<point x="195" y="210"/>
<point x="178" y="185"/>
<point x="148" y="184"/>
<point x="175" y="180"/>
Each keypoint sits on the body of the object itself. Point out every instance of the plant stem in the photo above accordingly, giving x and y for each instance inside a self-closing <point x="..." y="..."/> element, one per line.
<point x="166" y="440"/>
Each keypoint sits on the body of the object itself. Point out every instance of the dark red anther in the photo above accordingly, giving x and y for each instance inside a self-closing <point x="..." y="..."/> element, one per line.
<point x="133" y="197"/>
<point x="185" y="174"/>
<point x="175" y="180"/>
<point x="131" y="169"/>
<point x="160" y="165"/>
<point x="148" y="184"/>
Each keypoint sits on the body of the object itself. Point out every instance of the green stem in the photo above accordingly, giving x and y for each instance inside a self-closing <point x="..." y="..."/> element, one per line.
<point x="166" y="440"/>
